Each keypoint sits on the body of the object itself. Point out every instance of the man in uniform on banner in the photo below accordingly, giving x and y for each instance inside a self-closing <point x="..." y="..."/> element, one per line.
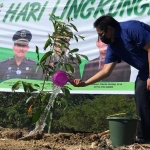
<point x="121" y="72"/>
<point x="19" y="66"/>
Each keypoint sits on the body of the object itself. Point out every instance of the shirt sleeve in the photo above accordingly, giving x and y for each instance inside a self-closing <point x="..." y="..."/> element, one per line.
<point x="110" y="56"/>
<point x="139" y="33"/>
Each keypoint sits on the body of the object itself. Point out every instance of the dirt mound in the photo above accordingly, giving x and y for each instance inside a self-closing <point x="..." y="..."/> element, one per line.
<point x="17" y="139"/>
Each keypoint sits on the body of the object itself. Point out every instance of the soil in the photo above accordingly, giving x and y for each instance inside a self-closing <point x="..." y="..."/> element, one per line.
<point x="19" y="139"/>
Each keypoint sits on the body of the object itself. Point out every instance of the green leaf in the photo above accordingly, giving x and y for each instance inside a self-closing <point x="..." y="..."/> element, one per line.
<point x="82" y="37"/>
<point x="58" y="103"/>
<point x="69" y="67"/>
<point x="84" y="56"/>
<point x="63" y="41"/>
<point x="79" y="59"/>
<point x="60" y="65"/>
<point x="50" y="67"/>
<point x="31" y="89"/>
<point x="47" y="43"/>
<point x="74" y="50"/>
<point x="43" y="97"/>
<point x="74" y="27"/>
<point x="55" y="63"/>
<point x="71" y="57"/>
<point x="65" y="90"/>
<point x="37" y="52"/>
<point x="46" y="55"/>
<point x="63" y="53"/>
<point x="51" y="73"/>
<point x="16" y="86"/>
<point x="75" y="38"/>
<point x="29" y="99"/>
<point x="25" y="86"/>
<point x="36" y="115"/>
<point x="36" y="85"/>
<point x="62" y="102"/>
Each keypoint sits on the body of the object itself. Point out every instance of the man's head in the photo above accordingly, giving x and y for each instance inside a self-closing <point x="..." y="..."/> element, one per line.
<point x="64" y="35"/>
<point x="21" y="42"/>
<point x="105" y="26"/>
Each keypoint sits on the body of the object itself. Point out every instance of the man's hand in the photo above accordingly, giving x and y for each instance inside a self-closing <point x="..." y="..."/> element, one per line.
<point x="78" y="83"/>
<point x="148" y="84"/>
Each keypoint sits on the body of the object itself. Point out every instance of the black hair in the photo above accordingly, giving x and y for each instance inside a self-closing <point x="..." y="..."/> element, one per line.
<point x="104" y="21"/>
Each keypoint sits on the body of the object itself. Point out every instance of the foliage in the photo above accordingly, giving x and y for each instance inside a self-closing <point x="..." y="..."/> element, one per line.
<point x="90" y="116"/>
<point x="83" y="113"/>
<point x="13" y="111"/>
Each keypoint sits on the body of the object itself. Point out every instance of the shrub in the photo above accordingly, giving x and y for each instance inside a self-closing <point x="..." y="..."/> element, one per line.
<point x="90" y="116"/>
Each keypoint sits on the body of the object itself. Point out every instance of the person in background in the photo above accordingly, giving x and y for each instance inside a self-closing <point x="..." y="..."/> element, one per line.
<point x="63" y="58"/>
<point x="19" y="66"/>
<point x="128" y="41"/>
<point x="121" y="72"/>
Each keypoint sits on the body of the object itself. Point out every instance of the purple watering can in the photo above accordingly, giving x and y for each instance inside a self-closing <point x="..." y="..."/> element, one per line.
<point x="60" y="78"/>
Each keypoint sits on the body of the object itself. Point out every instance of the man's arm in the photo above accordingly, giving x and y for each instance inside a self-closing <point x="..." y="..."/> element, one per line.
<point x="105" y="72"/>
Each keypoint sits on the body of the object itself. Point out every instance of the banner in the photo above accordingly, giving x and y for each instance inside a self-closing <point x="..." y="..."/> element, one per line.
<point x="31" y="20"/>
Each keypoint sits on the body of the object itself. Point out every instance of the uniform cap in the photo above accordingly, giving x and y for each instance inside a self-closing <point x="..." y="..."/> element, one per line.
<point x="22" y="37"/>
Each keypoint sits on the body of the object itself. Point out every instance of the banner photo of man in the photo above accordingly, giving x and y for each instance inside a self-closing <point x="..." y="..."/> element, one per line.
<point x="27" y="24"/>
<point x="19" y="66"/>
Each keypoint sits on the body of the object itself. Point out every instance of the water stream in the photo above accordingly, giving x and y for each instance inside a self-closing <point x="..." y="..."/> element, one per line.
<point x="40" y="124"/>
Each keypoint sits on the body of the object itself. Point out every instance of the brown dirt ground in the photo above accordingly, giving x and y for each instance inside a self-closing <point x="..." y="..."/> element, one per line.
<point x="19" y="139"/>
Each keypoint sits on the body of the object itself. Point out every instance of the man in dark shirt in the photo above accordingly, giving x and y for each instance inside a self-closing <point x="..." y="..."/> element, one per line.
<point x="19" y="66"/>
<point x="129" y="41"/>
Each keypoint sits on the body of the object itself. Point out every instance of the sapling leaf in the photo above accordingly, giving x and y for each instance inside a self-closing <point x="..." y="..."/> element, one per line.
<point x="16" y="86"/>
<point x="43" y="97"/>
<point x="82" y="37"/>
<point x="69" y="67"/>
<point x="37" y="52"/>
<point x="79" y="59"/>
<point x="75" y="38"/>
<point x="29" y="99"/>
<point x="47" y="43"/>
<point x="46" y="55"/>
<point x="71" y="57"/>
<point x="65" y="90"/>
<point x="36" y="85"/>
<point x="84" y="56"/>
<point x="36" y="115"/>
<point x="31" y="88"/>
<point x="25" y="86"/>
<point x="60" y="65"/>
<point x="74" y="27"/>
<point x="74" y="50"/>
